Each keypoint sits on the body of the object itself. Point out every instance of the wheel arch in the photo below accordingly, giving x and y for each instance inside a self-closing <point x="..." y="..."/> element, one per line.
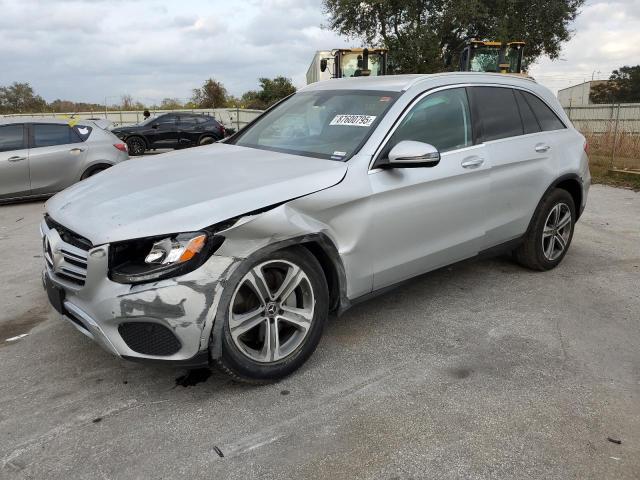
<point x="97" y="165"/>
<point x="570" y="182"/>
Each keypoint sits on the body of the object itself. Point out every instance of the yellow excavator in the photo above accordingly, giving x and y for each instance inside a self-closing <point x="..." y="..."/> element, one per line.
<point x="488" y="56"/>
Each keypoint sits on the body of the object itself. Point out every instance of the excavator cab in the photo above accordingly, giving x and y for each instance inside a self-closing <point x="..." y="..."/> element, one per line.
<point x="498" y="57"/>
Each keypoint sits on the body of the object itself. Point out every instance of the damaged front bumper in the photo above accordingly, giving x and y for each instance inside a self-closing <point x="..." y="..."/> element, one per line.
<point x="167" y="321"/>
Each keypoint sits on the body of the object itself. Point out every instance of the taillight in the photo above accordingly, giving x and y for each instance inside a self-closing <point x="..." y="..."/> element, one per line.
<point x="222" y="131"/>
<point x="586" y="147"/>
<point x="122" y="147"/>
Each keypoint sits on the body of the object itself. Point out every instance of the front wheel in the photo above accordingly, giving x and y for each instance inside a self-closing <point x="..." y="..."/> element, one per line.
<point x="275" y="310"/>
<point x="548" y="239"/>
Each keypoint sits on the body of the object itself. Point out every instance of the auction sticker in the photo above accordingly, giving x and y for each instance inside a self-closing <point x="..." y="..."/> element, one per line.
<point x="353" y="120"/>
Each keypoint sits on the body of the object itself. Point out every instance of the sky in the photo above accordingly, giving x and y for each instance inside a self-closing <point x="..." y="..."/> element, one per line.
<point x="100" y="50"/>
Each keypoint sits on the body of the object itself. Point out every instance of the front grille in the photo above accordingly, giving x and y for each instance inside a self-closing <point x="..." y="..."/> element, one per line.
<point x="69" y="260"/>
<point x="149" y="338"/>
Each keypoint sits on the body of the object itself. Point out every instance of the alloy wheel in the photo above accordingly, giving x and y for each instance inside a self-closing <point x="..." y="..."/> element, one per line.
<point x="271" y="311"/>
<point x="557" y="231"/>
<point x="136" y="146"/>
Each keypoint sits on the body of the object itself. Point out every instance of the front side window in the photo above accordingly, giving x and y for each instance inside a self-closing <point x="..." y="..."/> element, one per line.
<point x="12" y="137"/>
<point x="51" y="134"/>
<point x="497" y="111"/>
<point x="441" y="119"/>
<point x="323" y="124"/>
<point x="167" y="120"/>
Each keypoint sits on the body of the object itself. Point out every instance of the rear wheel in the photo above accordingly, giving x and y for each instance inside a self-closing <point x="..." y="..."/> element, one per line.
<point x="136" y="146"/>
<point x="549" y="237"/>
<point x="274" y="315"/>
<point x="206" y="140"/>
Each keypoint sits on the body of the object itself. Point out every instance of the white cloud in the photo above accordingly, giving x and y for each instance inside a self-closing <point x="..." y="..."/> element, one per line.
<point x="92" y="49"/>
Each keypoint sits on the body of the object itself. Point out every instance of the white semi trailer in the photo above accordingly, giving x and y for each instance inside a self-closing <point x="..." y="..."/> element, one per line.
<point x="347" y="62"/>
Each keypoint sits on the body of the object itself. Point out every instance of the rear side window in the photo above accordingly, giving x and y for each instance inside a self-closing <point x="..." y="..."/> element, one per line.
<point x="498" y="112"/>
<point x="48" y="135"/>
<point x="204" y="119"/>
<point x="529" y="121"/>
<point x="12" y="137"/>
<point x="184" y="120"/>
<point x="83" y="131"/>
<point x="547" y="119"/>
<point x="441" y="119"/>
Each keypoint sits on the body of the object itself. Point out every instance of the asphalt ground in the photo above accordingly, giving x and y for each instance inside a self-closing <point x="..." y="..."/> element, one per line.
<point x="479" y="370"/>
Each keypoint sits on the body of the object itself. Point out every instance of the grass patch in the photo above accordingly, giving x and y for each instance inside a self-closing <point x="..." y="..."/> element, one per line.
<point x="600" y="173"/>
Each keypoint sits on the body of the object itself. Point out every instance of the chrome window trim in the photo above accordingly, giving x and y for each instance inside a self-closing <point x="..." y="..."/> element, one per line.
<point x="426" y="93"/>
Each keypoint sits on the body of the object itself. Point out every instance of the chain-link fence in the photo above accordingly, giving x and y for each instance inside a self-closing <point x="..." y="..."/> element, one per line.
<point x="613" y="133"/>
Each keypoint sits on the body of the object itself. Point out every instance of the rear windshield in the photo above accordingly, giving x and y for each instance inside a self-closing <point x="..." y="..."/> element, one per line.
<point x="323" y="124"/>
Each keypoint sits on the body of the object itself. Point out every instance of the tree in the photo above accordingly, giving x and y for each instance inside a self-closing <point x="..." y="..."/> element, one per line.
<point x="20" y="98"/>
<point x="211" y="95"/>
<point x="271" y="91"/>
<point x="623" y="87"/>
<point x="127" y="102"/>
<point x="170" y="104"/>
<point x="427" y="35"/>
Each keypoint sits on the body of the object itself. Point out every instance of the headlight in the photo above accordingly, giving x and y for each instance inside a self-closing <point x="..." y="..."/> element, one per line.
<point x="149" y="259"/>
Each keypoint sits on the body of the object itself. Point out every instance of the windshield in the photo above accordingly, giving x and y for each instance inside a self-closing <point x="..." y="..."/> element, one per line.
<point x="322" y="124"/>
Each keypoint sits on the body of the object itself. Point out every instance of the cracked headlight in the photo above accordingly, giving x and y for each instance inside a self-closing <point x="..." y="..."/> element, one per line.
<point x="150" y="259"/>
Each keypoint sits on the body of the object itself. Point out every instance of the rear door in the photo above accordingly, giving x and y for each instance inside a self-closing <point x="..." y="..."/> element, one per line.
<point x="429" y="217"/>
<point x="14" y="164"/>
<point x="518" y="155"/>
<point x="56" y="157"/>
<point x="189" y="130"/>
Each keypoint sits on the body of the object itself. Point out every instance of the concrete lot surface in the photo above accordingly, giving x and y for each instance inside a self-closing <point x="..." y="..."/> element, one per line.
<point x="481" y="370"/>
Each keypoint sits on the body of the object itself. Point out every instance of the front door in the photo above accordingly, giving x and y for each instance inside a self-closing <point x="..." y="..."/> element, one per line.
<point x="14" y="161"/>
<point x="164" y="132"/>
<point x="426" y="218"/>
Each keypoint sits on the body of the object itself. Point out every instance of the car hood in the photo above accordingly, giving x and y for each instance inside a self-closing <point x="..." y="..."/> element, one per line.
<point x="186" y="191"/>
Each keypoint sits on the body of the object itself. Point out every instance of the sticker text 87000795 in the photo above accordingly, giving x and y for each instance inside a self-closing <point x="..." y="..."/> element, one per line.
<point x="353" y="120"/>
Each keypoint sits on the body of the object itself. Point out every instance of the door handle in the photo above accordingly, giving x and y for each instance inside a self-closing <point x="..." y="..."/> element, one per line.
<point x="16" y="159"/>
<point x="472" y="162"/>
<point x="76" y="150"/>
<point x="541" y="148"/>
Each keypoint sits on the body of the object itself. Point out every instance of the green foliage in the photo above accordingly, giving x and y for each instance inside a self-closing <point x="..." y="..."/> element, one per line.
<point x="20" y="98"/>
<point x="426" y="36"/>
<point x="623" y="87"/>
<point x="211" y="95"/>
<point x="271" y="91"/>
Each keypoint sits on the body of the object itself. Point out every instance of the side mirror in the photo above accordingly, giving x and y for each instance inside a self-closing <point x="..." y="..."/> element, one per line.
<point x="411" y="154"/>
<point x="323" y="64"/>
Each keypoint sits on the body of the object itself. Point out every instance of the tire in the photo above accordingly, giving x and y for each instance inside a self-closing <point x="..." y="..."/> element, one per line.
<point x="92" y="171"/>
<point x="136" y="146"/>
<point x="550" y="234"/>
<point x="246" y="354"/>
<point x="206" y="140"/>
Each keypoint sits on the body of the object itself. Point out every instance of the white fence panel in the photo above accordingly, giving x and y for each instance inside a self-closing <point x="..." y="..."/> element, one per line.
<point x="229" y="117"/>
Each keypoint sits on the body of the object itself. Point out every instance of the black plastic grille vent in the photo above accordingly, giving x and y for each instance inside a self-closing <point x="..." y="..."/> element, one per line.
<point x="149" y="338"/>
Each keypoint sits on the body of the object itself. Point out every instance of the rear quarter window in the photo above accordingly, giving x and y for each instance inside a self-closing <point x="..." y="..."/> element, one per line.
<point x="83" y="131"/>
<point x="546" y="117"/>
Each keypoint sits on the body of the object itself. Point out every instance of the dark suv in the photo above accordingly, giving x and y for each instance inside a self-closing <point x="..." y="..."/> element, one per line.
<point x="171" y="130"/>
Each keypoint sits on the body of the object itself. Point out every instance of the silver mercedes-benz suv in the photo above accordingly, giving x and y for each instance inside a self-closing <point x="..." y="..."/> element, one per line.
<point x="235" y="253"/>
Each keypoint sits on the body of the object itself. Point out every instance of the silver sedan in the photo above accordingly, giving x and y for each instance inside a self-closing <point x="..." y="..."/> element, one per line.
<point x="39" y="157"/>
